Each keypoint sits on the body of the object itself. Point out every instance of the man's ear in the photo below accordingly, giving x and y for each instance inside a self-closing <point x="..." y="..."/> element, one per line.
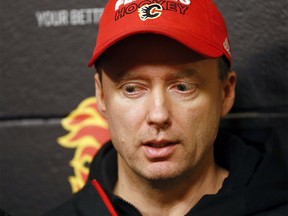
<point x="228" y="98"/>
<point x="100" y="95"/>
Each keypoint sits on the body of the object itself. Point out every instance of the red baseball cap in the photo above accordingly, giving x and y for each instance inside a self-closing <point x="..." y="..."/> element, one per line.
<point x="197" y="24"/>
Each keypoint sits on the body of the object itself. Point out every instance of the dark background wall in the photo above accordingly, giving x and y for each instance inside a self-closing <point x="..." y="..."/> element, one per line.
<point x="43" y="77"/>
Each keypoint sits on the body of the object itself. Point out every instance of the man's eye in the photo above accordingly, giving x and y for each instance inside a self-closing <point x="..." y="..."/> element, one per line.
<point x="185" y="87"/>
<point x="130" y="89"/>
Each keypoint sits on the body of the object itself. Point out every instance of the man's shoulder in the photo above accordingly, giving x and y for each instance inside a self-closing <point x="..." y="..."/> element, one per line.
<point x="281" y="210"/>
<point x="65" y="209"/>
<point x="72" y="206"/>
<point x="86" y="202"/>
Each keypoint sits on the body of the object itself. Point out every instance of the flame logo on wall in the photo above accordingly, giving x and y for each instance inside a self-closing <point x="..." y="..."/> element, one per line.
<point x="88" y="130"/>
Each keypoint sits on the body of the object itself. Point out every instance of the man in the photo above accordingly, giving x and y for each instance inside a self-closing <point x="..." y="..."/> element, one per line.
<point x="163" y="81"/>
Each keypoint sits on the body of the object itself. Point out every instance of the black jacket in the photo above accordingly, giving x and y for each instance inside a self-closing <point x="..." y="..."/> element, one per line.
<point x="256" y="185"/>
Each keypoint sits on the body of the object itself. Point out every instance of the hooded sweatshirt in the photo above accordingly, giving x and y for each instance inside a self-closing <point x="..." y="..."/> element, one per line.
<point x="256" y="185"/>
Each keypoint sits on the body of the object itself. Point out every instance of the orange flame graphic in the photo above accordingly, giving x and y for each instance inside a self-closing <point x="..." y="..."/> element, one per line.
<point x="88" y="130"/>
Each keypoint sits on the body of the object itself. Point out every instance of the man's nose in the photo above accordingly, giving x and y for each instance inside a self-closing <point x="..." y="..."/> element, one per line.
<point x="159" y="110"/>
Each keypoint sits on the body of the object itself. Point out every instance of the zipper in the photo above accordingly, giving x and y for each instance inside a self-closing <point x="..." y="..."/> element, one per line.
<point x="120" y="199"/>
<point x="107" y="201"/>
<point x="104" y="197"/>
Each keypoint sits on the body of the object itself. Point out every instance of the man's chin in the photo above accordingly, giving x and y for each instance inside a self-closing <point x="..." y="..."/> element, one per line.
<point x="160" y="175"/>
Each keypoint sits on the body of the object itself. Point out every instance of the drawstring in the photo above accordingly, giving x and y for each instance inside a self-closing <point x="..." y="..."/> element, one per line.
<point x="104" y="197"/>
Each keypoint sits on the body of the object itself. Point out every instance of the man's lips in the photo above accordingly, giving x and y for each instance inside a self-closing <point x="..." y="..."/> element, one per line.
<point x="159" y="144"/>
<point x="159" y="150"/>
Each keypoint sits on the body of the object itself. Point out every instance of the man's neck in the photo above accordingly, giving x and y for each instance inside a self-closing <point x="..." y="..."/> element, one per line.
<point x="170" y="197"/>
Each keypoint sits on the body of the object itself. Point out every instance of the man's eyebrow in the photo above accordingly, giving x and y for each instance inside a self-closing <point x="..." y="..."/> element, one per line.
<point x="123" y="75"/>
<point x="178" y="74"/>
<point x="188" y="72"/>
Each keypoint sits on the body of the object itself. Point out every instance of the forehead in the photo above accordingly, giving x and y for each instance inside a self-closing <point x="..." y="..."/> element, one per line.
<point x="147" y="49"/>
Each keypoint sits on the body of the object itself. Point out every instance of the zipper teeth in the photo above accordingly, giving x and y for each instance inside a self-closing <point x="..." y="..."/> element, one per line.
<point x="129" y="204"/>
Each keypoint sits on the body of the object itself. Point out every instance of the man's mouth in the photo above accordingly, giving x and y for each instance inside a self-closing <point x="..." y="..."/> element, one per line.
<point x="159" y="144"/>
<point x="159" y="149"/>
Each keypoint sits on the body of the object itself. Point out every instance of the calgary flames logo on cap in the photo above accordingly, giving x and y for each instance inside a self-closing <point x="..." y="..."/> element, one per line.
<point x="88" y="130"/>
<point x="151" y="11"/>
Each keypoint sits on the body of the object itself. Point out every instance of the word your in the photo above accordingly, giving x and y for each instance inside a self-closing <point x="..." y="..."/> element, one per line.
<point x="74" y="17"/>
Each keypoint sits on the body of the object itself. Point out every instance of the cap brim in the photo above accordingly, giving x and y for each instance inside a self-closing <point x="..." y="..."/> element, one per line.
<point x="193" y="42"/>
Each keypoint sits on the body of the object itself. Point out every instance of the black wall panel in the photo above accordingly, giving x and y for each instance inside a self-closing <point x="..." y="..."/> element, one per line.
<point x="44" y="50"/>
<point x="33" y="167"/>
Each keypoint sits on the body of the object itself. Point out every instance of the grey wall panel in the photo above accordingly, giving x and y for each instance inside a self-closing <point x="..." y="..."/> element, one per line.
<point x="258" y="34"/>
<point x="41" y="66"/>
<point x="44" y="66"/>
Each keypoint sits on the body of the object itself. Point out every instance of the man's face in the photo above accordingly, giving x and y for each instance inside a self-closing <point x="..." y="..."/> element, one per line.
<point x="163" y="104"/>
